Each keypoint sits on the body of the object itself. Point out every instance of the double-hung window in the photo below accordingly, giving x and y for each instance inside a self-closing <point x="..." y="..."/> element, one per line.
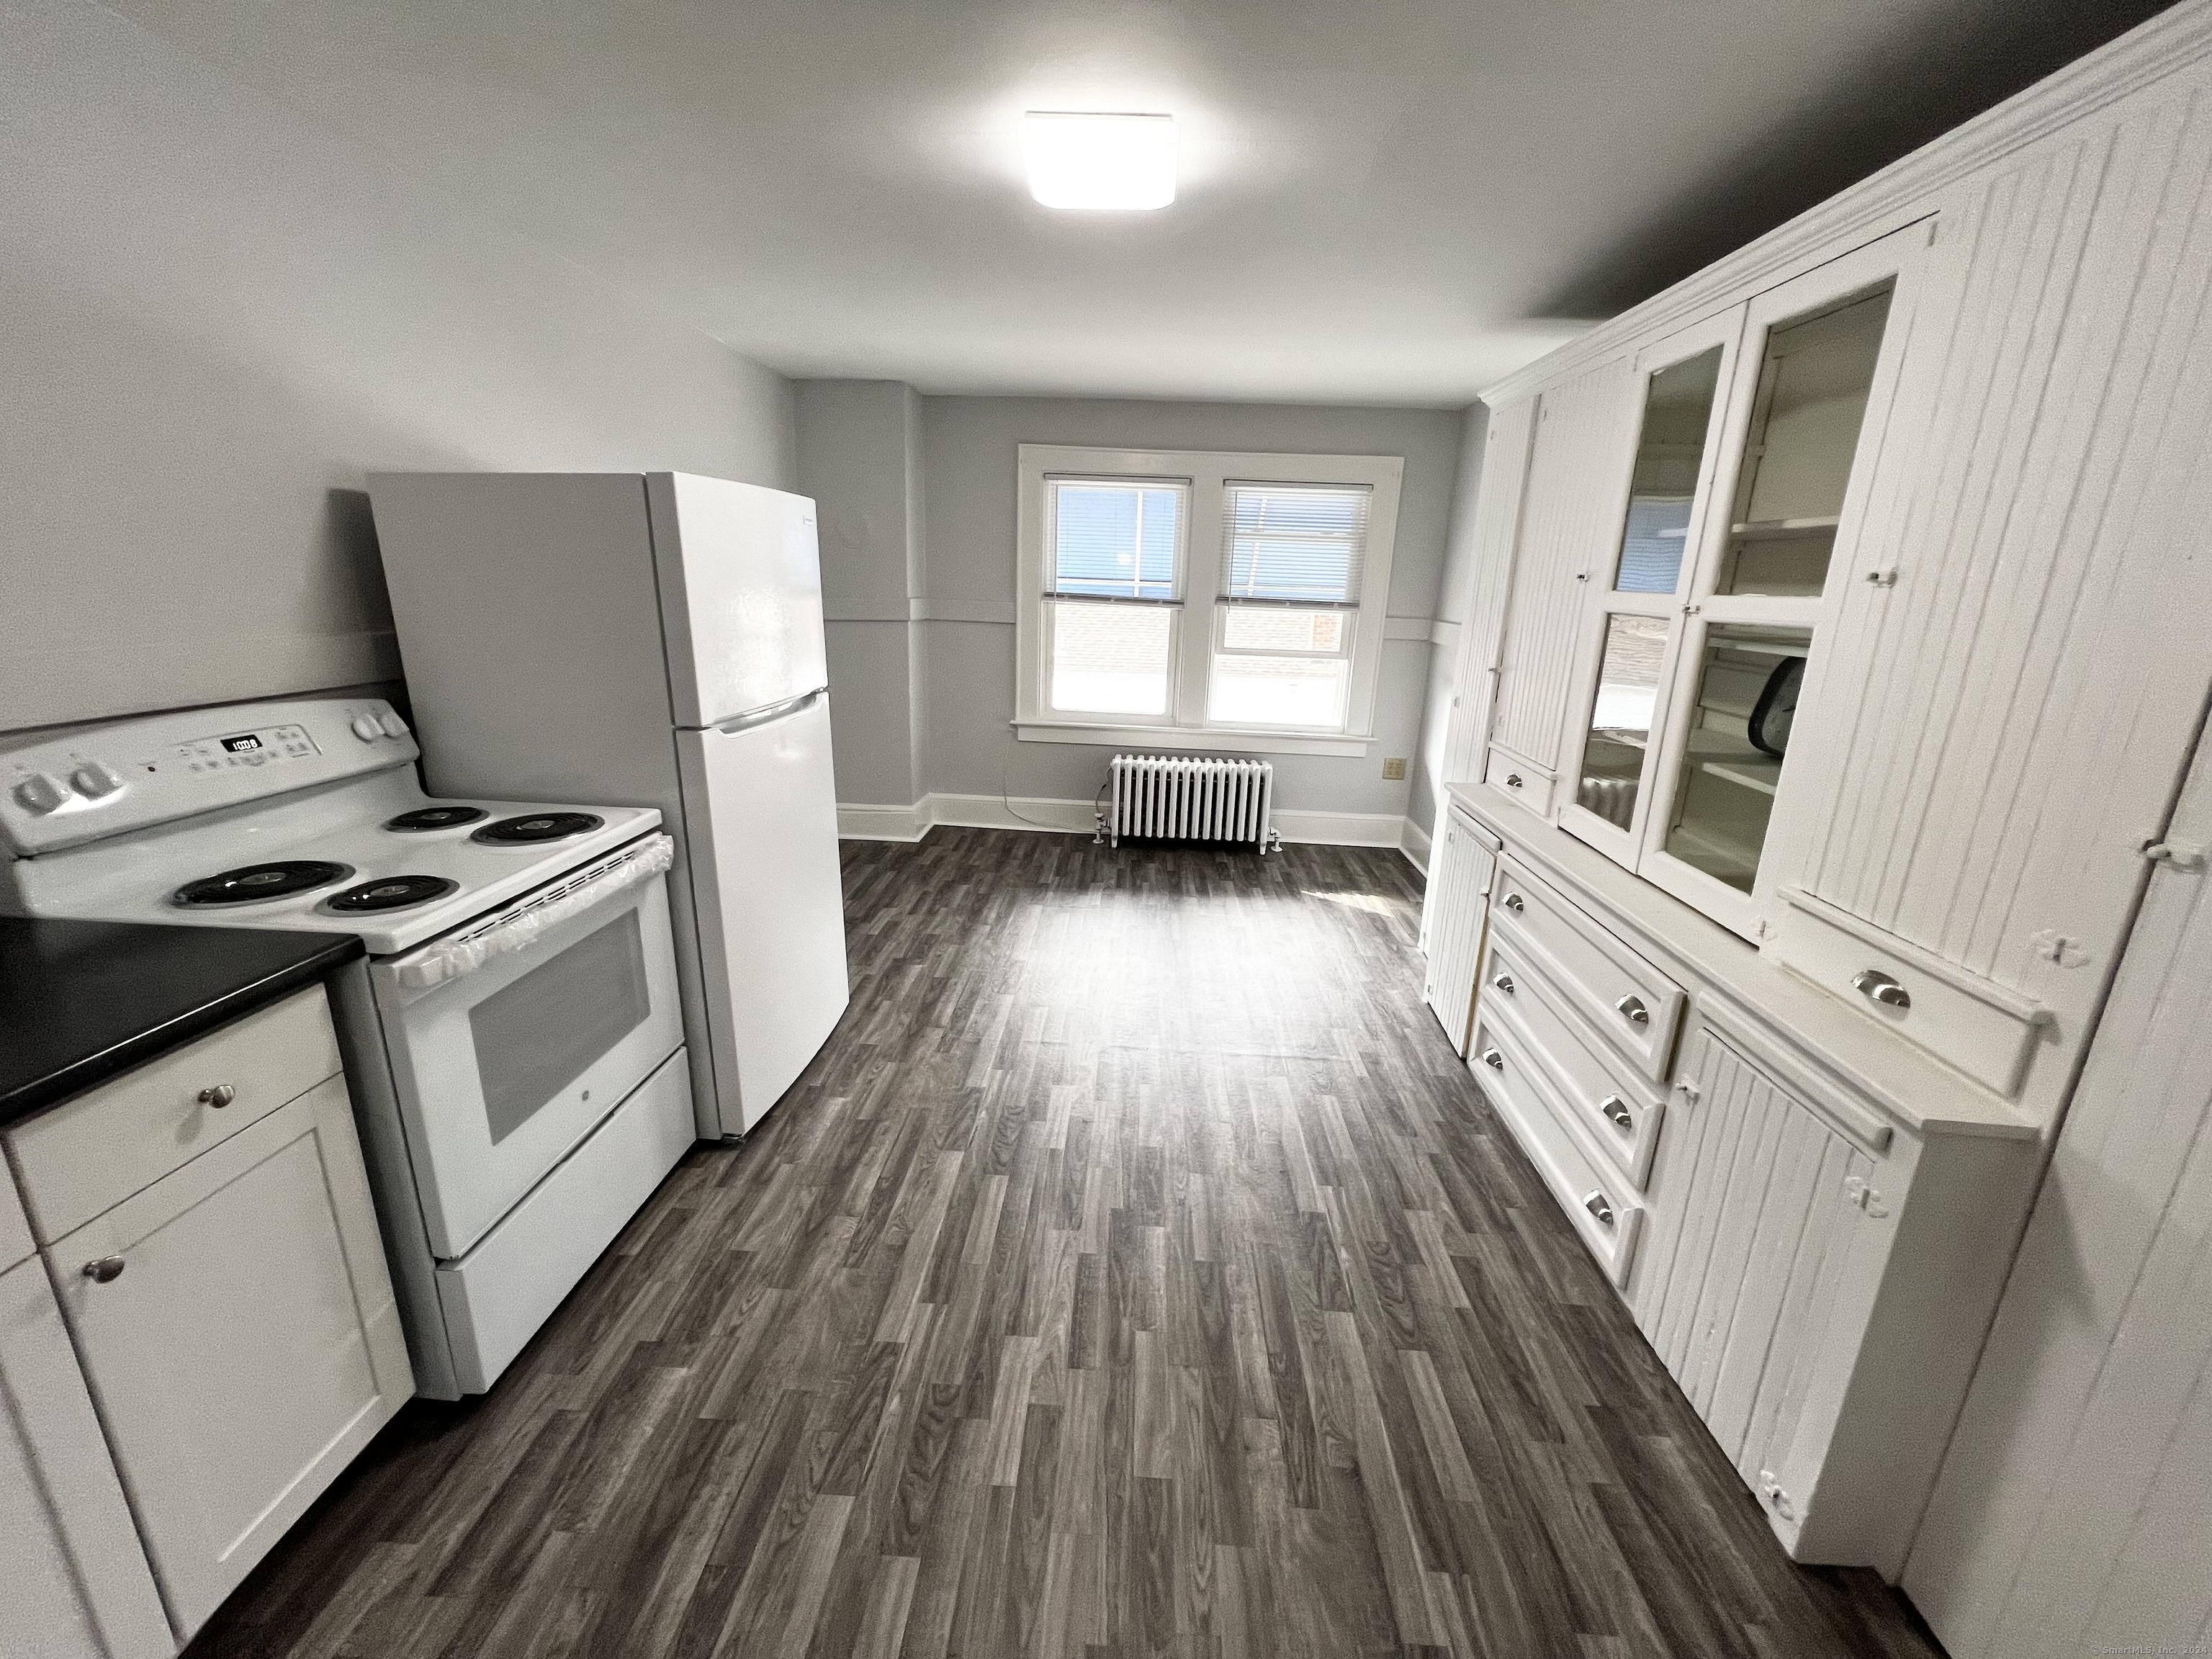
<point x="1230" y="600"/>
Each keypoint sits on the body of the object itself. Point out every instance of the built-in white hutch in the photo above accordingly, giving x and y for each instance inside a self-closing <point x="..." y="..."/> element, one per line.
<point x="1842" y="627"/>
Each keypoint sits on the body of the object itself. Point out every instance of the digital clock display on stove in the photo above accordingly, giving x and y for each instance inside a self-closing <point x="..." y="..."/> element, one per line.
<point x="242" y="746"/>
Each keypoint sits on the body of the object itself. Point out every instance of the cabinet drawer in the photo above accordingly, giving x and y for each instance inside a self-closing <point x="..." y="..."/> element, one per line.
<point x="1986" y="1031"/>
<point x="1621" y="995"/>
<point x="1595" y="1199"/>
<point x="1529" y="785"/>
<point x="1619" y="1110"/>
<point x="89" y="1154"/>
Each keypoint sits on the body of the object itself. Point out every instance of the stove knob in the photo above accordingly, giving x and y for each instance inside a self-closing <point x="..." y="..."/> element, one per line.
<point x="40" y="793"/>
<point x="95" y="780"/>
<point x="393" y="726"/>
<point x="366" y="728"/>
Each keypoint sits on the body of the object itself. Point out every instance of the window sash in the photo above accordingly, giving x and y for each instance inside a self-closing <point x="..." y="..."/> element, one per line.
<point x="1145" y="587"/>
<point x="1290" y="562"/>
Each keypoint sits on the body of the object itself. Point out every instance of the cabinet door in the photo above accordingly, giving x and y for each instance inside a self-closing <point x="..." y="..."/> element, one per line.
<point x="1459" y="897"/>
<point x="248" y="1348"/>
<point x="76" y="1581"/>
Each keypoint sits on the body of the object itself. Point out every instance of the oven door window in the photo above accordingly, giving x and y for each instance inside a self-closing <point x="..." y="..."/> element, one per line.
<point x="536" y="1036"/>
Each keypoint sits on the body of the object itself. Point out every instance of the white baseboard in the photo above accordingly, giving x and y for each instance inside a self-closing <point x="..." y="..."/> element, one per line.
<point x="1077" y="817"/>
<point x="1413" y="842"/>
<point x="883" y="823"/>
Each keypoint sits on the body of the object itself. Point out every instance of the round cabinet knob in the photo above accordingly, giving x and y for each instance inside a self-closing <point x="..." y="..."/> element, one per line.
<point x="105" y="1271"/>
<point x="1513" y="902"/>
<point x="217" y="1095"/>
<point x="95" y="779"/>
<point x="40" y="793"/>
<point x="393" y="725"/>
<point x="366" y="728"/>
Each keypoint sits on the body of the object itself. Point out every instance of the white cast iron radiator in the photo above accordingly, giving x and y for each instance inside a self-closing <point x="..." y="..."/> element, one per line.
<point x="1184" y="797"/>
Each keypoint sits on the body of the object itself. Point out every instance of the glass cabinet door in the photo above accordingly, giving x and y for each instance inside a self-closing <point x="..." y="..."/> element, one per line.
<point x="1817" y="355"/>
<point x="1628" y="633"/>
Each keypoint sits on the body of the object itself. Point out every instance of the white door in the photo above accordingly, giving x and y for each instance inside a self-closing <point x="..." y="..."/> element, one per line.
<point x="249" y="1346"/>
<point x="1460" y="869"/>
<point x="76" y="1585"/>
<point x="740" y="594"/>
<point x="760" y="818"/>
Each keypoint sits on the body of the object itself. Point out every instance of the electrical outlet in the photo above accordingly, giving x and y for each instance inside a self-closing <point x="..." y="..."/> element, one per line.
<point x="1393" y="769"/>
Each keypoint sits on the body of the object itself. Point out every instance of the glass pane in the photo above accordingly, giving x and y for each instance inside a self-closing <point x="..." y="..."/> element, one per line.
<point x="1279" y="691"/>
<point x="1805" y="420"/>
<point x="1115" y="538"/>
<point x="535" y="1037"/>
<point x="1678" y="406"/>
<point x="1257" y="628"/>
<point x="1620" y="719"/>
<point x="1294" y="542"/>
<point x="1747" y="700"/>
<point x="1110" y="659"/>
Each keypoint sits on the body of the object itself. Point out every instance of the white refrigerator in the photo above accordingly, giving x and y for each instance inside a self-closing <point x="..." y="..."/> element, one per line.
<point x="648" y="639"/>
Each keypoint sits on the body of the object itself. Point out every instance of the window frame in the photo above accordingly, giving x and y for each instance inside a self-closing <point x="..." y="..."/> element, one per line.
<point x="1206" y="475"/>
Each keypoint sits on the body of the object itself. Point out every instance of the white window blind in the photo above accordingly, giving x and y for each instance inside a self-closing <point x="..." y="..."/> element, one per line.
<point x="1116" y="539"/>
<point x="1294" y="543"/>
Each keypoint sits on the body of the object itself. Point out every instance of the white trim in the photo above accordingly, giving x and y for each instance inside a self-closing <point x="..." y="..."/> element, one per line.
<point x="883" y="823"/>
<point x="1407" y="627"/>
<point x="1060" y="817"/>
<point x="1891" y="198"/>
<point x="1413" y="842"/>
<point x="1212" y="740"/>
<point x="1443" y="633"/>
<point x="1000" y="612"/>
<point x="1205" y="476"/>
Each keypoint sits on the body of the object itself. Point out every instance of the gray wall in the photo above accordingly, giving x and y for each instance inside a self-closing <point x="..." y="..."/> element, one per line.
<point x="1454" y="592"/>
<point x="965" y="603"/>
<point x="216" y="313"/>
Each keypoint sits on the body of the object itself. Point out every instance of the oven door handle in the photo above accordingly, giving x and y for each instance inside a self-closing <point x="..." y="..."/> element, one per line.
<point x="522" y="926"/>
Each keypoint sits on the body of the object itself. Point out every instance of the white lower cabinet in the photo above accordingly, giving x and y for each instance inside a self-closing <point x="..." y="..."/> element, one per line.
<point x="74" y="1583"/>
<point x="239" y="1330"/>
<point x="1460" y="866"/>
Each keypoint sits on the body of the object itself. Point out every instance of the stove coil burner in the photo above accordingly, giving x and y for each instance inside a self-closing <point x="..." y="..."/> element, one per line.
<point x="390" y="893"/>
<point x="434" y="818"/>
<point x="537" y="827"/>
<point x="254" y="883"/>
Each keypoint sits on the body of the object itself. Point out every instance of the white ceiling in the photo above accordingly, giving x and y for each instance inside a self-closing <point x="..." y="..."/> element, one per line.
<point x="1391" y="201"/>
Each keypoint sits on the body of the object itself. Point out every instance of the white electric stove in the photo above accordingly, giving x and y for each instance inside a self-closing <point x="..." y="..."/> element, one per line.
<point x="514" y="1041"/>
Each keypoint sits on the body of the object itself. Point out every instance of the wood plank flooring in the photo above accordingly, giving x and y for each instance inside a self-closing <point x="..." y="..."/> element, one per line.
<point x="1136" y="1272"/>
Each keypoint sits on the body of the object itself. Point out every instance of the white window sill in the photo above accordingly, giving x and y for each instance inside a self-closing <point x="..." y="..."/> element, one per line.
<point x="1208" y="738"/>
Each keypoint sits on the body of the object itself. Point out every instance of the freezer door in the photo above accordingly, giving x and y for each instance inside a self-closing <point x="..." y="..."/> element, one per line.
<point x="740" y="595"/>
<point x="760" y="818"/>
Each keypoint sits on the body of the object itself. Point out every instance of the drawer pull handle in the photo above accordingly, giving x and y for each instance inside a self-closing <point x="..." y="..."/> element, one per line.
<point x="218" y="1095"/>
<point x="105" y="1271"/>
<point x="1493" y="1060"/>
<point x="1513" y="903"/>
<point x="1599" y="1206"/>
<point x="1504" y="982"/>
<point x="1512" y="780"/>
<point x="1632" y="1010"/>
<point x="1617" y="1108"/>
<point x="1873" y="982"/>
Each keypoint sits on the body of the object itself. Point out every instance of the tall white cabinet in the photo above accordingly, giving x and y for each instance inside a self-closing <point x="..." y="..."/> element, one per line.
<point x="1837" y="646"/>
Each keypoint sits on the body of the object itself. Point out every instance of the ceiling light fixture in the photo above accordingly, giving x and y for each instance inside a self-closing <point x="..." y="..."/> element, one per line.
<point x="1085" y="159"/>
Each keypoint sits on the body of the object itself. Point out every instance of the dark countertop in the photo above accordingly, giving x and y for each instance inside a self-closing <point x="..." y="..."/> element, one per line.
<point x="80" y="1001"/>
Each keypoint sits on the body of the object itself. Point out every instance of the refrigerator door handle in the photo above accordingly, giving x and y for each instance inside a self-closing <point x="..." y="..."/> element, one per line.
<point x="774" y="712"/>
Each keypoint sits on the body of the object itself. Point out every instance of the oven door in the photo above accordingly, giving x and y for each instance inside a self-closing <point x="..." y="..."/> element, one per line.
<point x="510" y="1040"/>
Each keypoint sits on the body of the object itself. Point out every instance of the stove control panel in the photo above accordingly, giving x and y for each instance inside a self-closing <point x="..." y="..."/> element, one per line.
<point x="95" y="781"/>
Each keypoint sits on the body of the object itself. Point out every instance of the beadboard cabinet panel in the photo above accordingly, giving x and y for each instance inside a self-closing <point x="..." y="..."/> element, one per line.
<point x="2024" y="694"/>
<point x="2073" y="1509"/>
<point x="1461" y="864"/>
<point x="1570" y="513"/>
<point x="1496" y="527"/>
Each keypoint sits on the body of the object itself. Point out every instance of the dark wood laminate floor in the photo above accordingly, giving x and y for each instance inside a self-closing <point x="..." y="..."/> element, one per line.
<point x="1137" y="1271"/>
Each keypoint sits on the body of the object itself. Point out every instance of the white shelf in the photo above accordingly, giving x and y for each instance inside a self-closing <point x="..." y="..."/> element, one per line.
<point x="1783" y="529"/>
